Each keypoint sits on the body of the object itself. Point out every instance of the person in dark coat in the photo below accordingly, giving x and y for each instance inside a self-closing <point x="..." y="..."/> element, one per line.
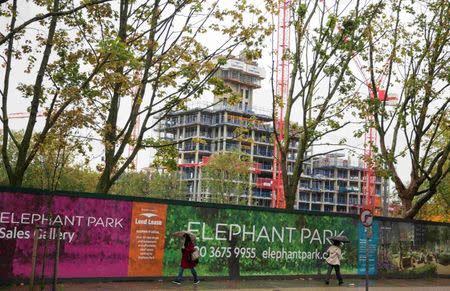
<point x="186" y="261"/>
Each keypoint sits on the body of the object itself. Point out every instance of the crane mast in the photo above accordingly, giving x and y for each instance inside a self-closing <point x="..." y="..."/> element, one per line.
<point x="282" y="89"/>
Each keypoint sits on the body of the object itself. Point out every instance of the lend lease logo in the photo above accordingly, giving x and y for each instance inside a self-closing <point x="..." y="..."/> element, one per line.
<point x="149" y="215"/>
<point x="148" y="220"/>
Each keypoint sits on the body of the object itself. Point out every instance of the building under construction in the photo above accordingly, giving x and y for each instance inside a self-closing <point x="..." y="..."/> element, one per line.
<point x="324" y="188"/>
<point x="337" y="185"/>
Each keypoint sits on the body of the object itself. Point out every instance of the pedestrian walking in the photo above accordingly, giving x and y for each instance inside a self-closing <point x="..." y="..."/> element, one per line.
<point x="189" y="259"/>
<point x="334" y="261"/>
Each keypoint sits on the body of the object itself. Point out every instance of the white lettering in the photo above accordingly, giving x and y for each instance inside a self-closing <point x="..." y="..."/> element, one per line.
<point x="263" y="234"/>
<point x="303" y="236"/>
<point x="245" y="233"/>
<point x="220" y="231"/>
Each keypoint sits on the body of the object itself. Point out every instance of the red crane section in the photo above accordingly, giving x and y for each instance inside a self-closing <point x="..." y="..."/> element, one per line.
<point x="282" y="89"/>
<point x="370" y="138"/>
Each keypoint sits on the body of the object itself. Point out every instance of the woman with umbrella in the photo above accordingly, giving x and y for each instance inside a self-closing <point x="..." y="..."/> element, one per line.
<point x="334" y="257"/>
<point x="186" y="257"/>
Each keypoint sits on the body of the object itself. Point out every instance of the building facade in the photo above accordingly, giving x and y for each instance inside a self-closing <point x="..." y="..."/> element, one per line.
<point x="337" y="185"/>
<point x="219" y="127"/>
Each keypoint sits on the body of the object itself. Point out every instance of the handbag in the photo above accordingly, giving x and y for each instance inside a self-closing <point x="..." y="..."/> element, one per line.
<point x="195" y="255"/>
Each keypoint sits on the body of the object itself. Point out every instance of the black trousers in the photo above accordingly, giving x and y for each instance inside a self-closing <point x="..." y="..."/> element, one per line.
<point x="338" y="272"/>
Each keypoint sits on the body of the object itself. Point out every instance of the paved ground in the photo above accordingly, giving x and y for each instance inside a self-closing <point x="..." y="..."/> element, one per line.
<point x="259" y="285"/>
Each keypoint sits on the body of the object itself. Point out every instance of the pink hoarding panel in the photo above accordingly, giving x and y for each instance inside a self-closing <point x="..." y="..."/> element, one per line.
<point x="95" y="235"/>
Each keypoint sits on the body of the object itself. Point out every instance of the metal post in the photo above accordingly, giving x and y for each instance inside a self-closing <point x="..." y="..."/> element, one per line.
<point x="368" y="236"/>
<point x="44" y="257"/>
<point x="55" y="269"/>
<point x="385" y="197"/>
<point x="33" y="256"/>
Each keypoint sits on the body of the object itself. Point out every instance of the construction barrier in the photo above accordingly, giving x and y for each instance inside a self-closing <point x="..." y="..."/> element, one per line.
<point x="106" y="236"/>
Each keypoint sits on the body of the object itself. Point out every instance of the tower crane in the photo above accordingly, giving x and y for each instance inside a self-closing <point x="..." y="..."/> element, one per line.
<point x="282" y="89"/>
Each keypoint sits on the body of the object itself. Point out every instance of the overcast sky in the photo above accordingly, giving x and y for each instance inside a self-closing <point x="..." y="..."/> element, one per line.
<point x="262" y="97"/>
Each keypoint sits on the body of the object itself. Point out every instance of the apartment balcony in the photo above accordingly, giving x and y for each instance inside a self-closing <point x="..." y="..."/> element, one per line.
<point x="268" y="154"/>
<point x="342" y="201"/>
<point x="187" y="176"/>
<point x="204" y="148"/>
<point x="188" y="148"/>
<point x="265" y="167"/>
<point x="328" y="200"/>
<point x="262" y="193"/>
<point x="304" y="187"/>
<point x="348" y="189"/>
<point x="321" y="176"/>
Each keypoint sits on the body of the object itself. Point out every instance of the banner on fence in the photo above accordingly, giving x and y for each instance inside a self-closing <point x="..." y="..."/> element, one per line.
<point x="116" y="239"/>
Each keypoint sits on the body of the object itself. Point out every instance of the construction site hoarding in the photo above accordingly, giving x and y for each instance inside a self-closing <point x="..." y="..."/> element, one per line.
<point x="106" y="236"/>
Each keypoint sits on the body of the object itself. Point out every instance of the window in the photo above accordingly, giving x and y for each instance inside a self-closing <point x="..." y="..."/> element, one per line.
<point x="304" y="184"/>
<point x="206" y="119"/>
<point x="342" y="174"/>
<point x="231" y="146"/>
<point x="304" y="196"/>
<point x="342" y="199"/>
<point x="189" y="146"/>
<point x="190" y="131"/>
<point x="328" y="208"/>
<point x="316" y="185"/>
<point x="329" y="197"/>
<point x="353" y="199"/>
<point x="316" y="197"/>
<point x="205" y="132"/>
<point x="204" y="147"/>
<point x="328" y="185"/>
<point x="303" y="206"/>
<point x="172" y="121"/>
<point x="191" y="118"/>
<point x="316" y="207"/>
<point x="341" y="209"/>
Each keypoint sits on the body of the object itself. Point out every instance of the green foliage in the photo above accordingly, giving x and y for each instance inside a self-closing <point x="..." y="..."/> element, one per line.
<point x="444" y="259"/>
<point x="324" y="84"/>
<point x="166" y="154"/>
<point x="429" y="270"/>
<point x="54" y="167"/>
<point x="149" y="57"/>
<point x="164" y="185"/>
<point x="167" y="186"/>
<point x="227" y="177"/>
<point x="133" y="184"/>
<point x="415" y="45"/>
<point x="179" y="216"/>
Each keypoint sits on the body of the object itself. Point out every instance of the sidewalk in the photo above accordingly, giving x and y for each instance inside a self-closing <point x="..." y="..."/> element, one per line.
<point x="260" y="285"/>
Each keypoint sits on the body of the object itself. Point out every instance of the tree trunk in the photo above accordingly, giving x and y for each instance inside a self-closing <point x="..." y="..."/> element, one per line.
<point x="16" y="179"/>
<point x="415" y="208"/>
<point x="406" y="206"/>
<point x="234" y="271"/>
<point x="103" y="184"/>
<point x="290" y="193"/>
